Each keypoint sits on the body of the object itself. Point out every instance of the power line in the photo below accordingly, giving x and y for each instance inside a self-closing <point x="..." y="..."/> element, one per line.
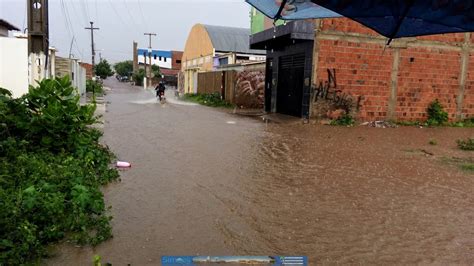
<point x="144" y="19"/>
<point x="69" y="27"/>
<point x="118" y="15"/>
<point x="130" y="14"/>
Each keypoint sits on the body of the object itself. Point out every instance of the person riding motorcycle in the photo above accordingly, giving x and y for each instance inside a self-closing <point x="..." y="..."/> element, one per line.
<point x="160" y="90"/>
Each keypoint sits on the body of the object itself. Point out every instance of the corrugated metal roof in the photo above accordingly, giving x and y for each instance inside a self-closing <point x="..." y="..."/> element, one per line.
<point x="230" y="39"/>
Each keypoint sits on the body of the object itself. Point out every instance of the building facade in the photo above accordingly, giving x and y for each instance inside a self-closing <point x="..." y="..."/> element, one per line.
<point x="209" y="47"/>
<point x="348" y="66"/>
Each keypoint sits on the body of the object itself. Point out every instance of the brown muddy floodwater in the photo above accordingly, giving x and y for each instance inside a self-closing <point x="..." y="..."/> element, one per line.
<point x="205" y="182"/>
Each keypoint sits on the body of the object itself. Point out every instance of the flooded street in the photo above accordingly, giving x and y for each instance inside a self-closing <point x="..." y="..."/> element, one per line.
<point x="205" y="182"/>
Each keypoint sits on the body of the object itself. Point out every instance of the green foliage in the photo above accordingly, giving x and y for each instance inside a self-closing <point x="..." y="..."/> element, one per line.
<point x="156" y="71"/>
<point x="94" y="87"/>
<point x="208" y="99"/>
<point x="51" y="170"/>
<point x="469" y="122"/>
<point x="345" y="120"/>
<point x="138" y="77"/>
<point x="433" y="142"/>
<point x="103" y="69"/>
<point x="436" y="114"/>
<point x="124" y="68"/>
<point x="467" y="145"/>
<point x="468" y="167"/>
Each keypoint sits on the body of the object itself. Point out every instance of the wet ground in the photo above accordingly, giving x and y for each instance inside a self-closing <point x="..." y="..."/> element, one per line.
<point x="205" y="182"/>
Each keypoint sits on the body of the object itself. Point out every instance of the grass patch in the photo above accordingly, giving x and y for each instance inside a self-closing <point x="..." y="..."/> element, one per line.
<point x="466" y="145"/>
<point x="468" y="167"/>
<point x="433" y="142"/>
<point x="345" y="120"/>
<point x="207" y="99"/>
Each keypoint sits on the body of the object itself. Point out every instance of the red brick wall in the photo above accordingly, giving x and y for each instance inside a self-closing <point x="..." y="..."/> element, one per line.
<point x="427" y="74"/>
<point x="361" y="70"/>
<point x="428" y="69"/>
<point x="175" y="57"/>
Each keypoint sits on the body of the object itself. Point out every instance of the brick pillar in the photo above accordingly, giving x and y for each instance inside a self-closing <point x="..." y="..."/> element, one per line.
<point x="465" y="54"/>
<point x="392" y="101"/>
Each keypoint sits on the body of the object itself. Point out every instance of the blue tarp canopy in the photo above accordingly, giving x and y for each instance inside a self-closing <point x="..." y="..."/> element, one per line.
<point x="294" y="9"/>
<point x="391" y="18"/>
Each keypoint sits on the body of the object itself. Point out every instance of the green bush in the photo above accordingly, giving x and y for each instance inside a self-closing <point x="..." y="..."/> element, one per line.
<point x="345" y="120"/>
<point x="467" y="145"/>
<point x="436" y="114"/>
<point x="51" y="170"/>
<point x="208" y="99"/>
<point x="138" y="77"/>
<point x="94" y="87"/>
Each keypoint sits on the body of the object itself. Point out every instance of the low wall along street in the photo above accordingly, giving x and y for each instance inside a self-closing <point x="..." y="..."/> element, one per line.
<point x="391" y="82"/>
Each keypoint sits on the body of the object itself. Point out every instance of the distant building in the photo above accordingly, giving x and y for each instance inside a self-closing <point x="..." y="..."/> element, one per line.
<point x="5" y="27"/>
<point x="13" y="61"/>
<point x="88" y="68"/>
<point x="168" y="61"/>
<point x="160" y="58"/>
<point x="209" y="47"/>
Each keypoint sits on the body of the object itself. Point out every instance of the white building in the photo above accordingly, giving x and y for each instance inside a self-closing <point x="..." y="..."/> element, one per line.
<point x="13" y="61"/>
<point x="163" y="59"/>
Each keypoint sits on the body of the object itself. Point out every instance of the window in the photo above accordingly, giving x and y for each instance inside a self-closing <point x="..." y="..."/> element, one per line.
<point x="160" y="58"/>
<point x="178" y="61"/>
<point x="165" y="59"/>
<point x="154" y="57"/>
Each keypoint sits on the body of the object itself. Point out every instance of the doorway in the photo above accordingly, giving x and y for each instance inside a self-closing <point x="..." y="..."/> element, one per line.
<point x="290" y="84"/>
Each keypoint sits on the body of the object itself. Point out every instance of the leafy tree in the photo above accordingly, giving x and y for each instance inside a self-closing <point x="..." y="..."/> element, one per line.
<point x="124" y="68"/>
<point x="103" y="69"/>
<point x="156" y="71"/>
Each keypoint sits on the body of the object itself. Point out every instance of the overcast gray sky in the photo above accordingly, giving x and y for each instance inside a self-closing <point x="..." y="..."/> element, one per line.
<point x="122" y="21"/>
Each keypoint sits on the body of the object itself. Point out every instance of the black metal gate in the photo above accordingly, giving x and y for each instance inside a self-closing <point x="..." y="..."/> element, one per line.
<point x="290" y="84"/>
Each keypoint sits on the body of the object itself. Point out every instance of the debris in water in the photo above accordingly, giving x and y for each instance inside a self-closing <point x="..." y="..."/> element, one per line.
<point x="380" y="124"/>
<point x="123" y="164"/>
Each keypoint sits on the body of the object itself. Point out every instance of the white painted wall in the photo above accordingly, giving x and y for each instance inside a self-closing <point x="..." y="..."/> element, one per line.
<point x="161" y="63"/>
<point x="14" y="65"/>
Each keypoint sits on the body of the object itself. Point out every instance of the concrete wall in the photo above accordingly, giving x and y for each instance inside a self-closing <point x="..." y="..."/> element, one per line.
<point x="14" y="65"/>
<point x="354" y="67"/>
<point x="73" y="69"/>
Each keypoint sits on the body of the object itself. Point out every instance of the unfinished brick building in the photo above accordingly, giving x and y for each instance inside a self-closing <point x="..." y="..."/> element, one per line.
<point x="341" y="64"/>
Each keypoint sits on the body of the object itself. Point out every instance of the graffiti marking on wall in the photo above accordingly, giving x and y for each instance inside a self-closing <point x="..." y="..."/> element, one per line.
<point x="250" y="87"/>
<point x="328" y="91"/>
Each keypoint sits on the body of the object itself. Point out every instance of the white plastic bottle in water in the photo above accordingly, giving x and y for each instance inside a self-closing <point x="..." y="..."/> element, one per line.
<point x="124" y="164"/>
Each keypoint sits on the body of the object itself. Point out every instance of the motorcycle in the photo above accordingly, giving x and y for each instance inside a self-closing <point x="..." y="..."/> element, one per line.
<point x="161" y="97"/>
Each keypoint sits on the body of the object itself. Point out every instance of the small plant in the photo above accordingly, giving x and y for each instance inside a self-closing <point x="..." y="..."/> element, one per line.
<point x="138" y="77"/>
<point x="468" y="167"/>
<point x="466" y="145"/>
<point x="94" y="87"/>
<point x="433" y="142"/>
<point x="436" y="114"/>
<point x="344" y="120"/>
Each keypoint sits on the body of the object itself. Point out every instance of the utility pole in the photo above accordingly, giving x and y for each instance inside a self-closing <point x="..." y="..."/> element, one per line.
<point x="38" y="39"/>
<point x="92" y="46"/>
<point x="149" y="56"/>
